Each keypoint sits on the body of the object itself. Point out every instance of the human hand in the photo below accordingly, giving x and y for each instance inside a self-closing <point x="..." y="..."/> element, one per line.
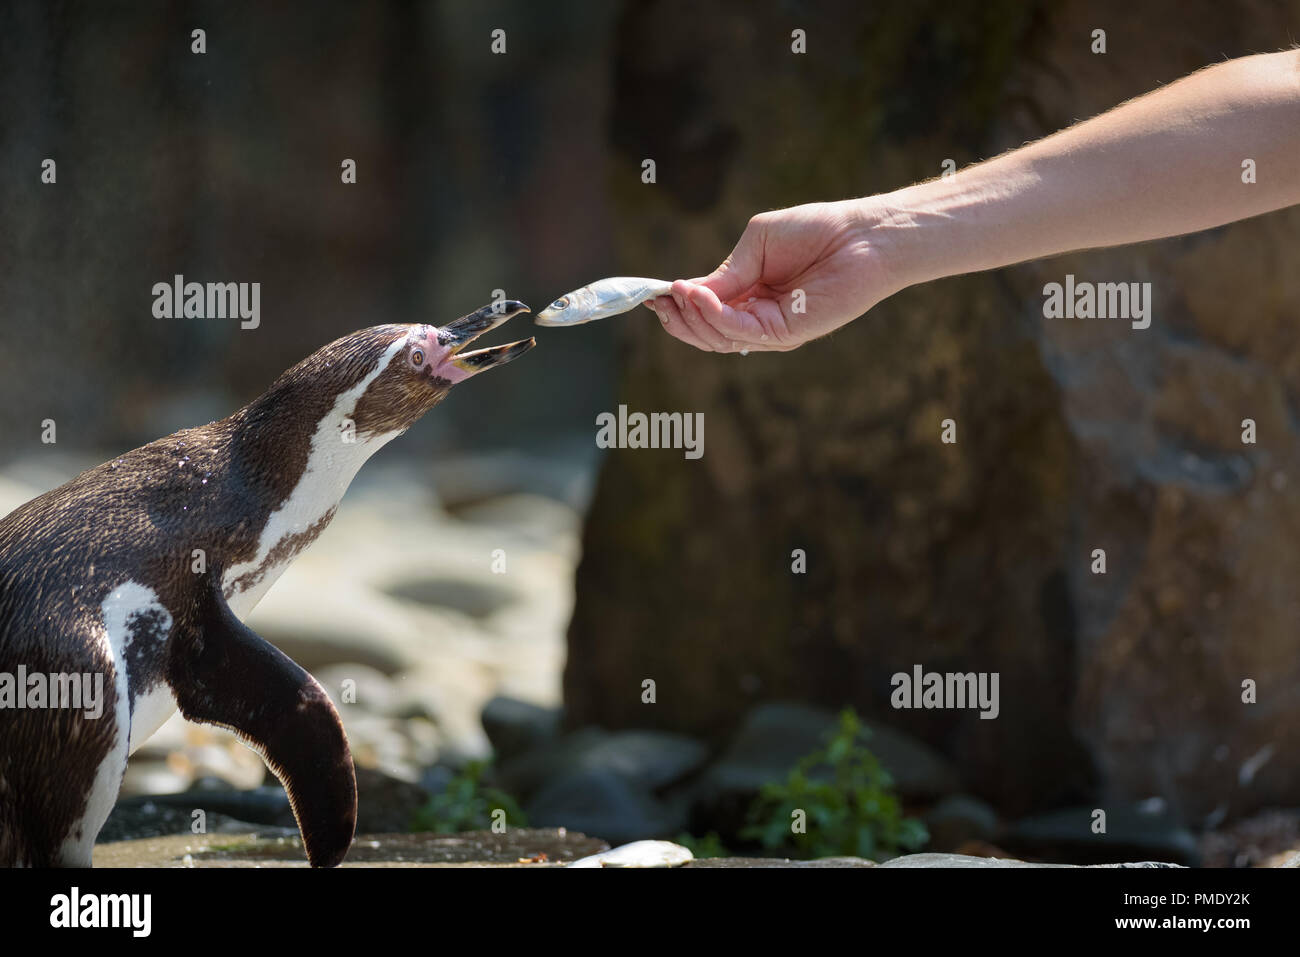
<point x="795" y="275"/>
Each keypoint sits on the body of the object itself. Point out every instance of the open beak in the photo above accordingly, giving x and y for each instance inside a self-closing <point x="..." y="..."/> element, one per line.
<point x="466" y="329"/>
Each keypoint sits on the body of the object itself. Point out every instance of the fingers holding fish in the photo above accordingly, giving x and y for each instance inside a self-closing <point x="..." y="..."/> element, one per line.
<point x="676" y="326"/>
<point x="694" y="319"/>
<point x="758" y="323"/>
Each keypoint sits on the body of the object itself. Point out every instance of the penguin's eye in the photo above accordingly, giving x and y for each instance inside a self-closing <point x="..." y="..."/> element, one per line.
<point x="417" y="357"/>
<point x="561" y="303"/>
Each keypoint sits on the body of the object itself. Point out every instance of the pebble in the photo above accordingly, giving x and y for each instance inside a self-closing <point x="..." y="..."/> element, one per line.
<point x="639" y="854"/>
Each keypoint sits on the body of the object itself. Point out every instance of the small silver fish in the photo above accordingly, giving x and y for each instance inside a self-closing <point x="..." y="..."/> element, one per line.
<point x="608" y="297"/>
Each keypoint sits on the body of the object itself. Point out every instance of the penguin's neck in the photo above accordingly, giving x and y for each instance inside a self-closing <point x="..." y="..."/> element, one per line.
<point x="302" y="463"/>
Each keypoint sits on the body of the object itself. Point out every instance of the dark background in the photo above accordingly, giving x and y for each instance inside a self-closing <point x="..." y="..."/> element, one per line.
<point x="475" y="172"/>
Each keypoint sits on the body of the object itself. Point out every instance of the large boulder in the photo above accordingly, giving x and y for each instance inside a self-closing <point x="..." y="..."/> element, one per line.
<point x="1073" y="435"/>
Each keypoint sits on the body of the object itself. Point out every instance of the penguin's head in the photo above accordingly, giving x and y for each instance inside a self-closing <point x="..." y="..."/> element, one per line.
<point x="421" y="363"/>
<point x="435" y="353"/>
<point x="397" y="373"/>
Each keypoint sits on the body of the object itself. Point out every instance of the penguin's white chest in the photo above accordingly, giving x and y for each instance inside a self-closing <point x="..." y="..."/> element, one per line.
<point x="297" y="522"/>
<point x="333" y="460"/>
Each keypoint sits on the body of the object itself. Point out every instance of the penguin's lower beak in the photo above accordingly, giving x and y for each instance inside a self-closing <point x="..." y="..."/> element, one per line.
<point x="481" y="359"/>
<point x="460" y="333"/>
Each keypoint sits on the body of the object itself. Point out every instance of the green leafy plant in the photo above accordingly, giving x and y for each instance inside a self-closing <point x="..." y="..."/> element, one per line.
<point x="466" y="804"/>
<point x="847" y="803"/>
<point x="710" y="845"/>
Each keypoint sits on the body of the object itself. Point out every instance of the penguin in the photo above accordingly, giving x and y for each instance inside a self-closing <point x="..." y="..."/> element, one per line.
<point x="138" y="573"/>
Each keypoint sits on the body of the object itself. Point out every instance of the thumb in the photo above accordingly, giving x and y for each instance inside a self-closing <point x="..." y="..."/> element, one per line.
<point x="739" y="271"/>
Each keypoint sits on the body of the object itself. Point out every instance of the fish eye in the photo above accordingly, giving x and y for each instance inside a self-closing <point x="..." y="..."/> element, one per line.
<point x="417" y="357"/>
<point x="561" y="303"/>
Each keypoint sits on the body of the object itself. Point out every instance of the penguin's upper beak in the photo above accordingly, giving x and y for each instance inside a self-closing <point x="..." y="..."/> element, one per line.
<point x="460" y="333"/>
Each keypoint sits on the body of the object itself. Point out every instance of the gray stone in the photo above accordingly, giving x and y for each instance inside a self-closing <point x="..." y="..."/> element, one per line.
<point x="475" y="599"/>
<point x="648" y="760"/>
<point x="604" y="804"/>
<point x="765" y="862"/>
<point x="139" y="817"/>
<point x="959" y="860"/>
<point x="965" y="860"/>
<point x="515" y="727"/>
<point x="319" y="647"/>
<point x="958" y="818"/>
<point x="267" y="805"/>
<point x="524" y="775"/>
<point x="1132" y="834"/>
<point x="371" y="689"/>
<point x="386" y="803"/>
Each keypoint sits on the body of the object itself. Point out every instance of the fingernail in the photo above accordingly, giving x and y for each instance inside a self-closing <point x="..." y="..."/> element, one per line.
<point x="678" y="299"/>
<point x="663" y="316"/>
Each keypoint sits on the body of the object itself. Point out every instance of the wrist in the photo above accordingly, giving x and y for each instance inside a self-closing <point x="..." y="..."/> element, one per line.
<point x="902" y="232"/>
<point x="943" y="227"/>
<point x="875" y="225"/>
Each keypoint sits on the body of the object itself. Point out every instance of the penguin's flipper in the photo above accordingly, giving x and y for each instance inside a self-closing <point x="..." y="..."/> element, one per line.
<point x="226" y="674"/>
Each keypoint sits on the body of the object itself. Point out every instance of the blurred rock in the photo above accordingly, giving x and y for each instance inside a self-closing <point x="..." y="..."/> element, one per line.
<point x="385" y="803"/>
<point x="354" y="685"/>
<point x="400" y="747"/>
<point x="180" y="754"/>
<point x="144" y="776"/>
<point x="472" y="598"/>
<point x="516" y="727"/>
<point x="980" y="849"/>
<point x="959" y="860"/>
<point x="229" y="761"/>
<point x="957" y="820"/>
<point x="524" y="775"/>
<point x="466" y="482"/>
<point x="331" y="627"/>
<point x="438" y="776"/>
<point x="143" y="817"/>
<point x="1132" y="834"/>
<point x="263" y="805"/>
<point x="648" y="760"/>
<point x="768" y="862"/>
<point x="605" y="804"/>
<point x="1260" y="840"/>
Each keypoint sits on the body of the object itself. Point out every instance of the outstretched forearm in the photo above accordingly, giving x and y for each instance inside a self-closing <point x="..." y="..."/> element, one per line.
<point x="1167" y="163"/>
<point x="1171" y="162"/>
